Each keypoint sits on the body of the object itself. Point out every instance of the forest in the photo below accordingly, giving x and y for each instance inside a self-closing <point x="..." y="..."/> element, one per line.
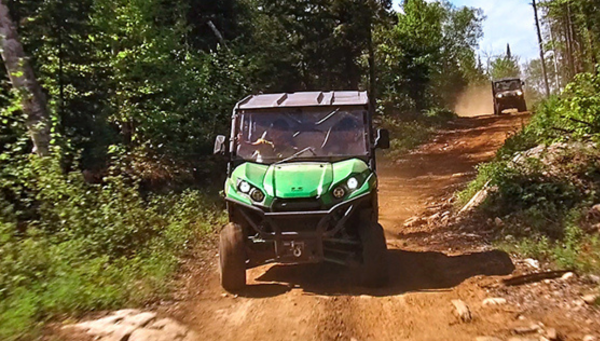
<point x="546" y="178"/>
<point x="104" y="195"/>
<point x="120" y="185"/>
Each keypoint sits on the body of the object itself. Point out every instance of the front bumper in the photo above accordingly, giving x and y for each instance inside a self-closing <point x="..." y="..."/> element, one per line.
<point x="300" y="236"/>
<point x="510" y="102"/>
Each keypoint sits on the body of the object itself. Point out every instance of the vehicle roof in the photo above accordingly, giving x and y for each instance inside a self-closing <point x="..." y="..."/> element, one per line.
<point x="507" y="79"/>
<point x="304" y="99"/>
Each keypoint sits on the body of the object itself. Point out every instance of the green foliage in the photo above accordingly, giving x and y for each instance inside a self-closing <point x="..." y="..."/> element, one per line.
<point x="577" y="251"/>
<point x="137" y="90"/>
<point x="324" y="46"/>
<point x="439" y="116"/>
<point x="428" y="57"/>
<point x="580" y="50"/>
<point x="571" y="117"/>
<point x="505" y="67"/>
<point x="88" y="247"/>
<point x="123" y="72"/>
<point x="543" y="199"/>
<point x="409" y="134"/>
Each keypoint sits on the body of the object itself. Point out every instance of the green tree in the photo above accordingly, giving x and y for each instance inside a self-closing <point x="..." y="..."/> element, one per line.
<point x="428" y="57"/>
<point x="505" y="66"/>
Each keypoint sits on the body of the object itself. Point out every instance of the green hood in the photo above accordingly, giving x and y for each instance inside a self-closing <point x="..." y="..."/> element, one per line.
<point x="300" y="180"/>
<point x="296" y="180"/>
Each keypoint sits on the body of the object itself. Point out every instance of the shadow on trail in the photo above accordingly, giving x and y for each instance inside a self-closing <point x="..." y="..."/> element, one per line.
<point x="409" y="272"/>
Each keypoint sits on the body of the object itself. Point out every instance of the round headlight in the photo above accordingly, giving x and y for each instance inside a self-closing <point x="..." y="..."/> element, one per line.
<point x="499" y="96"/>
<point x="519" y="93"/>
<point x="339" y="192"/>
<point x="352" y="183"/>
<point x="244" y="187"/>
<point x="257" y="195"/>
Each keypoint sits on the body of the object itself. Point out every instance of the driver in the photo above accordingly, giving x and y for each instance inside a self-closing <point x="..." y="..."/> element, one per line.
<point x="276" y="142"/>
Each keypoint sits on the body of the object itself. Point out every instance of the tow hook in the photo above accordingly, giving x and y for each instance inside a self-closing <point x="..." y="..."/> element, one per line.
<point x="296" y="250"/>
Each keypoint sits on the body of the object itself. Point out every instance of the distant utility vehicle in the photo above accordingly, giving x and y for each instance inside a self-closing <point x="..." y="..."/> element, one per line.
<point x="508" y="94"/>
<point x="301" y="185"/>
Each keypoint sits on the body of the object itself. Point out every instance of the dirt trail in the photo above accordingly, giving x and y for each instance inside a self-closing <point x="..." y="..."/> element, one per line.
<point x="323" y="303"/>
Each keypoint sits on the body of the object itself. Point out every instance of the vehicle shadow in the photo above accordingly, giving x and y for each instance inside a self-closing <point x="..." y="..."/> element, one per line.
<point x="409" y="271"/>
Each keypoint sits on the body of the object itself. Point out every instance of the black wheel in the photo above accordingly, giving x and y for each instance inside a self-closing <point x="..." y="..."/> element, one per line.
<point x="498" y="109"/>
<point x="522" y="107"/>
<point x="373" y="269"/>
<point x="232" y="257"/>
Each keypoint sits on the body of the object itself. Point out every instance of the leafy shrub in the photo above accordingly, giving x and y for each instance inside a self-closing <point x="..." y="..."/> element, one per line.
<point x="439" y="116"/>
<point x="575" y="115"/>
<point x="72" y="246"/>
<point x="543" y="199"/>
<point x="405" y="135"/>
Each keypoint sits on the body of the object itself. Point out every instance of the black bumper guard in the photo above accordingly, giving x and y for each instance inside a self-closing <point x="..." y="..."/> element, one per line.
<point x="318" y="236"/>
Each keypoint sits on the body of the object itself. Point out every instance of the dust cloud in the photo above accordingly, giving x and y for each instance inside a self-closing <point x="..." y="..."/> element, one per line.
<point x="475" y="101"/>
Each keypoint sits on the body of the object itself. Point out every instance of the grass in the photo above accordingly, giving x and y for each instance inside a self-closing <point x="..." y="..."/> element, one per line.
<point x="544" y="201"/>
<point x="409" y="134"/>
<point x="80" y="247"/>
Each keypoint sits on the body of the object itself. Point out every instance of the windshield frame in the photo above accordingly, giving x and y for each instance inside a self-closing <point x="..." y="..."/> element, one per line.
<point x="505" y="85"/>
<point x="328" y="112"/>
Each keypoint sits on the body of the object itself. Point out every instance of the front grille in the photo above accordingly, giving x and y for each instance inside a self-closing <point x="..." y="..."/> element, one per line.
<point x="292" y="205"/>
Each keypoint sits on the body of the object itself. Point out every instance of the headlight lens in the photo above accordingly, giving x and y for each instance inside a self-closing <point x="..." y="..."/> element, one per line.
<point x="257" y="195"/>
<point x="244" y="187"/>
<point x="499" y="96"/>
<point x="339" y="192"/>
<point x="519" y="93"/>
<point x="352" y="183"/>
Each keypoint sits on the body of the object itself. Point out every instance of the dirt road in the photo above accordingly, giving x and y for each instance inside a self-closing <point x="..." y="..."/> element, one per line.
<point x="427" y="272"/>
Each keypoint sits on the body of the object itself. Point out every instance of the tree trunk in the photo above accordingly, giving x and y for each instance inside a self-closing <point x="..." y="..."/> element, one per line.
<point x="23" y="80"/>
<point x="372" y="72"/>
<point x="542" y="57"/>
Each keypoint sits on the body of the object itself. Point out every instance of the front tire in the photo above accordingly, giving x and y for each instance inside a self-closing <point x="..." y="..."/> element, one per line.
<point x="498" y="109"/>
<point x="373" y="269"/>
<point x="232" y="257"/>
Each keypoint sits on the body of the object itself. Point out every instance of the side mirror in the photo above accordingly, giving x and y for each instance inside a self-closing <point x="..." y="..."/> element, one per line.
<point x="522" y="83"/>
<point x="220" y="145"/>
<point x="383" y="139"/>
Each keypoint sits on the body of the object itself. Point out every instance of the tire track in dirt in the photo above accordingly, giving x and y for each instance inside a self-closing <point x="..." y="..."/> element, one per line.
<point x="321" y="302"/>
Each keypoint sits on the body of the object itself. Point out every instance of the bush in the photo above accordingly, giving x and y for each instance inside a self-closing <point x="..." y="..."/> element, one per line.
<point x="573" y="116"/>
<point x="543" y="199"/>
<point x="439" y="116"/>
<point x="405" y="135"/>
<point x="409" y="134"/>
<point x="67" y="246"/>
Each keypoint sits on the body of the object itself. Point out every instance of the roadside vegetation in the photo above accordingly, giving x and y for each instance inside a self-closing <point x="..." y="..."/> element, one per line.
<point x="408" y="134"/>
<point x="67" y="246"/>
<point x="106" y="188"/>
<point x="545" y="182"/>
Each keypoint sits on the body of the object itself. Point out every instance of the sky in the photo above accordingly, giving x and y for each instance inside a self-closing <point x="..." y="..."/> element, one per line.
<point x="508" y="21"/>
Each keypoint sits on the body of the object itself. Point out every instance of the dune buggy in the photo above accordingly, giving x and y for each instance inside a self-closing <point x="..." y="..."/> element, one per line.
<point x="508" y="94"/>
<point x="301" y="185"/>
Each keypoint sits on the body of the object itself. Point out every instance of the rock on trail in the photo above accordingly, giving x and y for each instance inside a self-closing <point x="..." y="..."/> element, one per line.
<point x="134" y="325"/>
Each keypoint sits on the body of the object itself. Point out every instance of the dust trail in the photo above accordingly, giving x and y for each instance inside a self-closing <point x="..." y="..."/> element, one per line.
<point x="475" y="101"/>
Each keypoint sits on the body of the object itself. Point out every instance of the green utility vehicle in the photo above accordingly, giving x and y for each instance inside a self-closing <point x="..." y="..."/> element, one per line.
<point x="508" y="94"/>
<point x="301" y="185"/>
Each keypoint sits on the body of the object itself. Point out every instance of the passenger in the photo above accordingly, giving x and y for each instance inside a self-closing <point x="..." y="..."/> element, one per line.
<point x="346" y="138"/>
<point x="277" y="142"/>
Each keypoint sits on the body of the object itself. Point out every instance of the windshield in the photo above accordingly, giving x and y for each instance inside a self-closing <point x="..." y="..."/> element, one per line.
<point x="509" y="85"/>
<point x="307" y="133"/>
